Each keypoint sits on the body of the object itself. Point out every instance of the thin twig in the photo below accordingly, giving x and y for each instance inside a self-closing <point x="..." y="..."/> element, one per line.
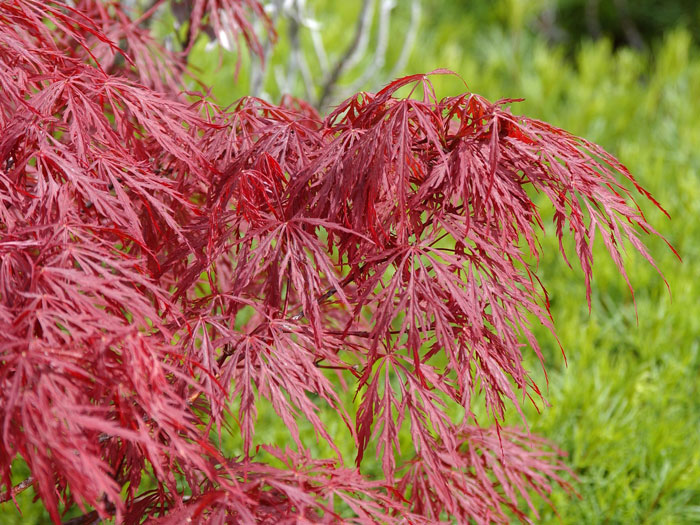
<point x="363" y="23"/>
<point x="297" y="62"/>
<point x="305" y="75"/>
<point x="229" y="350"/>
<point x="20" y="487"/>
<point x="90" y="518"/>
<point x="377" y="63"/>
<point x="258" y="69"/>
<point x="326" y="295"/>
<point x="409" y="42"/>
<point x="319" y="49"/>
<point x="155" y="4"/>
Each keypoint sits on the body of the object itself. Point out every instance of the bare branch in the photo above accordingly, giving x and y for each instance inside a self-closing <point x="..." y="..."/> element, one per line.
<point x="294" y="43"/>
<point x="90" y="518"/>
<point x="20" y="487"/>
<point x="93" y="517"/>
<point x="351" y="53"/>
<point x="409" y="41"/>
<point x="377" y="63"/>
<point x="305" y="74"/>
<point x="632" y="34"/>
<point x="258" y="65"/>
<point x="319" y="49"/>
<point x="592" y="18"/>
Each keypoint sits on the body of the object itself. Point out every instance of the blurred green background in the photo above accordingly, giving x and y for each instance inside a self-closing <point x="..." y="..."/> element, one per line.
<point x="625" y="75"/>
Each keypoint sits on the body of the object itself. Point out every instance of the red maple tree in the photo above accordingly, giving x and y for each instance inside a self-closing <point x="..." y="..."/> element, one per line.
<point x="163" y="259"/>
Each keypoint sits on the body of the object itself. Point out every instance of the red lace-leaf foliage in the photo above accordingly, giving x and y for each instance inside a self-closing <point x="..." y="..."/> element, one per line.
<point x="223" y="16"/>
<point x="168" y="268"/>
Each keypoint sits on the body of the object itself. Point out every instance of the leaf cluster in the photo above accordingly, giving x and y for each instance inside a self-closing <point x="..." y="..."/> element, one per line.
<point x="162" y="260"/>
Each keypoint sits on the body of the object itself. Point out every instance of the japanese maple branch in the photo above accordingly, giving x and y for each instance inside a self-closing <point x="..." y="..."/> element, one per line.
<point x="228" y="350"/>
<point x="90" y="518"/>
<point x="20" y="487"/>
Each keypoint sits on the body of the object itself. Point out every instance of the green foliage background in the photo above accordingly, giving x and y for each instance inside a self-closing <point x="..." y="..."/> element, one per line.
<point x="626" y="407"/>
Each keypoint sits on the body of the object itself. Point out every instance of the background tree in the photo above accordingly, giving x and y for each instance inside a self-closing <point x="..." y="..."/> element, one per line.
<point x="162" y="257"/>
